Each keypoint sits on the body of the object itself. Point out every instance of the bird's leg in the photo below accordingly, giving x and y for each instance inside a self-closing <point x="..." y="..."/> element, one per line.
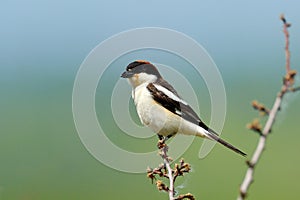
<point x="168" y="137"/>
<point x="160" y="137"/>
<point x="163" y="140"/>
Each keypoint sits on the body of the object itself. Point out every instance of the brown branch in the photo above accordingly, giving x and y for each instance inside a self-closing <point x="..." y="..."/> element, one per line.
<point x="287" y="42"/>
<point x="287" y="83"/>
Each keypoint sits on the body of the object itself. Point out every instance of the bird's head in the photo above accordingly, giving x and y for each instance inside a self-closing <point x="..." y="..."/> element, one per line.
<point x="139" y="72"/>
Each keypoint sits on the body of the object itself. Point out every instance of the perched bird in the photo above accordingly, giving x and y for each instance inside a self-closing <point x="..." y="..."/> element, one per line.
<point x="160" y="108"/>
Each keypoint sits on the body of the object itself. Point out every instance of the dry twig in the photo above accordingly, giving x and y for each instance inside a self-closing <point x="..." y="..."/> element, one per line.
<point x="288" y="82"/>
<point x="165" y="170"/>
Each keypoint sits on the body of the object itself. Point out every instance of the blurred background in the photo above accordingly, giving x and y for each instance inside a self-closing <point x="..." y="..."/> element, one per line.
<point x="43" y="44"/>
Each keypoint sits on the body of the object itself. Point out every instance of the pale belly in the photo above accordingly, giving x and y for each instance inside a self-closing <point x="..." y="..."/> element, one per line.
<point x="154" y="116"/>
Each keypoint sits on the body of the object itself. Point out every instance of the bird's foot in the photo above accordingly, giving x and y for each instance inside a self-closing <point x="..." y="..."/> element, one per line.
<point x="161" y="144"/>
<point x="162" y="141"/>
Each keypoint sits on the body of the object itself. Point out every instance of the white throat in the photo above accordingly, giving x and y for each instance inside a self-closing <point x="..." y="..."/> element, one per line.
<point x="141" y="78"/>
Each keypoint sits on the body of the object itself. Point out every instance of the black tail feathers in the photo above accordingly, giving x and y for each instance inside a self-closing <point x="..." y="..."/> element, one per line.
<point x="215" y="137"/>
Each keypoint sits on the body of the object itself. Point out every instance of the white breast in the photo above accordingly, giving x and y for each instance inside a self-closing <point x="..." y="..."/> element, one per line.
<point x="153" y="115"/>
<point x="143" y="102"/>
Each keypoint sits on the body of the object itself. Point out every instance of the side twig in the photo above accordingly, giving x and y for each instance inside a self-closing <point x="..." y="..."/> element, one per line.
<point x="288" y="81"/>
<point x="165" y="170"/>
<point x="167" y="159"/>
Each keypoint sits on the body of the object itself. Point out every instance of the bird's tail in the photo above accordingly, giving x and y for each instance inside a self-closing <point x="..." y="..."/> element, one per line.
<point x="214" y="136"/>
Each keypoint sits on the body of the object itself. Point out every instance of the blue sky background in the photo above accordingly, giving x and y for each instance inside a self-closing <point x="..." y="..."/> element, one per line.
<point x="61" y="33"/>
<point x="43" y="44"/>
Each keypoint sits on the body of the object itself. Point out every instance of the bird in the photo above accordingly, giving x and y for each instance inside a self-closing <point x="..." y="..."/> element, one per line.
<point x="161" y="108"/>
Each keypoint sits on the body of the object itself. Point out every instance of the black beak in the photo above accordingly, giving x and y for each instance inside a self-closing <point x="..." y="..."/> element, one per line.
<point x="127" y="74"/>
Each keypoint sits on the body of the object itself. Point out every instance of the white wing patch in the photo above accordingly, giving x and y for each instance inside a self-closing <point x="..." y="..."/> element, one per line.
<point x="169" y="94"/>
<point x="178" y="112"/>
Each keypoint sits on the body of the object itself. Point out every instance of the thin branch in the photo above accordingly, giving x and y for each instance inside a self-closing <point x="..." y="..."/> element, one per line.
<point x="260" y="147"/>
<point x="287" y="42"/>
<point x="166" y="159"/>
<point x="165" y="170"/>
<point x="287" y="83"/>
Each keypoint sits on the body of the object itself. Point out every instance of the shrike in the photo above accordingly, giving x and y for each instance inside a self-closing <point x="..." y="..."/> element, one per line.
<point x="161" y="108"/>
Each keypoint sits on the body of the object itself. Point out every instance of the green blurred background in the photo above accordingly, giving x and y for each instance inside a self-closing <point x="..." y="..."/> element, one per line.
<point x="43" y="43"/>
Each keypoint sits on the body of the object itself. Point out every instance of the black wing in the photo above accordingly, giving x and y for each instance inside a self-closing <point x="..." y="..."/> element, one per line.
<point x="178" y="108"/>
<point x="166" y="85"/>
<point x="183" y="110"/>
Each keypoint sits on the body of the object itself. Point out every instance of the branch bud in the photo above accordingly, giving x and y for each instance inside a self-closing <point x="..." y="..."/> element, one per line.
<point x="260" y="107"/>
<point x="161" y="186"/>
<point x="255" y="126"/>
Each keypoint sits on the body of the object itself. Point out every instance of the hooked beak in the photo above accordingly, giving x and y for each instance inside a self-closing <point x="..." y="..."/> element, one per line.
<point x="127" y="74"/>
